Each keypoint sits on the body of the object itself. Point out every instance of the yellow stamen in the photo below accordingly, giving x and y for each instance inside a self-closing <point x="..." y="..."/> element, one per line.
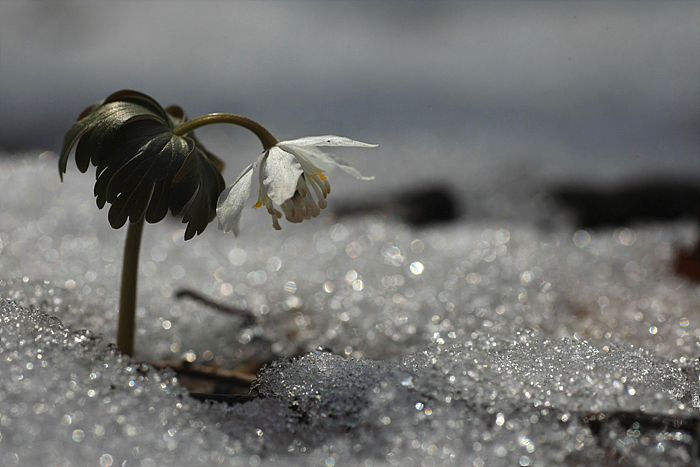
<point x="257" y="205"/>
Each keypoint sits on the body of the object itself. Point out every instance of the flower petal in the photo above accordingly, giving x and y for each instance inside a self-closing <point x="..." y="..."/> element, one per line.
<point x="232" y="201"/>
<point x="324" y="161"/>
<point x="327" y="140"/>
<point x="280" y="172"/>
<point x="350" y="170"/>
<point x="312" y="159"/>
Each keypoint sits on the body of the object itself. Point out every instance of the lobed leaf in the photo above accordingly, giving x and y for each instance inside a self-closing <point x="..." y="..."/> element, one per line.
<point x="143" y="168"/>
<point x="195" y="191"/>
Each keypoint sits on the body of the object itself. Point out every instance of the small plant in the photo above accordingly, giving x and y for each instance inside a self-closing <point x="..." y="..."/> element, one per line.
<point x="148" y="162"/>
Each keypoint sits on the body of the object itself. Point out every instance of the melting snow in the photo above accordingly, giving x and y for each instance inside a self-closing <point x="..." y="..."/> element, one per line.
<point x="489" y="342"/>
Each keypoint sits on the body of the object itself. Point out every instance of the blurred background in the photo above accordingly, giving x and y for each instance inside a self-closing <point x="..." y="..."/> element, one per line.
<point x="456" y="93"/>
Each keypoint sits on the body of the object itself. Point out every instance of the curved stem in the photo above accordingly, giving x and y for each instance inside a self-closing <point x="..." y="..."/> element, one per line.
<point x="127" y="298"/>
<point x="263" y="135"/>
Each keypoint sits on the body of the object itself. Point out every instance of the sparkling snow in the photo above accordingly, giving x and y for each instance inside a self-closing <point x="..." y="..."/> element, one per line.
<point x="490" y="341"/>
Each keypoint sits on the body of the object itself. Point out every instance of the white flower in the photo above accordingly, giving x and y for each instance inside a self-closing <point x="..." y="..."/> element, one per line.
<point x="289" y="173"/>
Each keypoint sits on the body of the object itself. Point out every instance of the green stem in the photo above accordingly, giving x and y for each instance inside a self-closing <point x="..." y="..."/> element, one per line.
<point x="263" y="135"/>
<point x="127" y="299"/>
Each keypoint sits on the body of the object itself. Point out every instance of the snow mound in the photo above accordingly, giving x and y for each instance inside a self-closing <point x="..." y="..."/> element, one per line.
<point x="68" y="399"/>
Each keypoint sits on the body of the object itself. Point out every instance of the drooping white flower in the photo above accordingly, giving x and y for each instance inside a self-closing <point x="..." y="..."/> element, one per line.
<point x="290" y="174"/>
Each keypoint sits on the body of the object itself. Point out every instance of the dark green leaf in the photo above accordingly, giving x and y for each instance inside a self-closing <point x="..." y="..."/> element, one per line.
<point x="143" y="168"/>
<point x="98" y="123"/>
<point x="176" y="115"/>
<point x="196" y="189"/>
<point x="216" y="162"/>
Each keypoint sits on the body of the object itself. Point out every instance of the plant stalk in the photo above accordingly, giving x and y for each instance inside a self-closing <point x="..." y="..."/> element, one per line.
<point x="127" y="299"/>
<point x="261" y="132"/>
<point x="126" y="330"/>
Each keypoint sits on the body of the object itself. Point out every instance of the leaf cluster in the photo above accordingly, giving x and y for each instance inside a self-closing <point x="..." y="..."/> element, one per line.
<point x="144" y="169"/>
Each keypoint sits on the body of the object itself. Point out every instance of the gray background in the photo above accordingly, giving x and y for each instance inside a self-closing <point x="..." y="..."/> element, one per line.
<point x="452" y="91"/>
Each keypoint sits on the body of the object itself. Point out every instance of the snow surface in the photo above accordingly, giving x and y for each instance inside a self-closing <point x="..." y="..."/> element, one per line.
<point x="479" y="343"/>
